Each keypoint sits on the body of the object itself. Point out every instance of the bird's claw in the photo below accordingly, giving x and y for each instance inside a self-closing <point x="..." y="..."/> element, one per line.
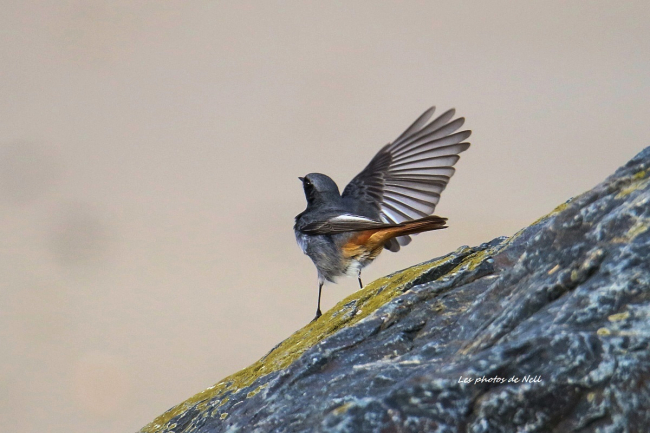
<point x="318" y="314"/>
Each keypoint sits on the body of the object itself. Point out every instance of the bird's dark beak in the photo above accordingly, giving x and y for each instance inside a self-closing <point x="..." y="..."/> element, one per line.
<point x="302" y="179"/>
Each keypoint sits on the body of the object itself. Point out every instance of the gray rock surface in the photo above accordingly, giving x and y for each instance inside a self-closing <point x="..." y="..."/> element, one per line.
<point x="547" y="331"/>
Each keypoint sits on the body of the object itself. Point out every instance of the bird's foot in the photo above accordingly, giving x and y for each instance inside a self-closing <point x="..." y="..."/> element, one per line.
<point x="318" y="314"/>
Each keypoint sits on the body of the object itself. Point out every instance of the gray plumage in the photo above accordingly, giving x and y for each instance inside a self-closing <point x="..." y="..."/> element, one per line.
<point x="396" y="192"/>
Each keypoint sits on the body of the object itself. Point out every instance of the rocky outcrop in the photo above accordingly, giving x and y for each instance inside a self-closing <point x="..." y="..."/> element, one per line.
<point x="548" y="330"/>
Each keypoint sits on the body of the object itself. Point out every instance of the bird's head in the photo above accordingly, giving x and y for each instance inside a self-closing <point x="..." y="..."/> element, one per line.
<point x="318" y="187"/>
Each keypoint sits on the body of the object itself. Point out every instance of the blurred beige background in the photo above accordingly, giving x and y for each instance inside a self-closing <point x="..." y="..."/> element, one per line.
<point x="149" y="154"/>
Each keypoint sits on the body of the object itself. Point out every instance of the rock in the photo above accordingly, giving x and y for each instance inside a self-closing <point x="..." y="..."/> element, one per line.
<point x="548" y="330"/>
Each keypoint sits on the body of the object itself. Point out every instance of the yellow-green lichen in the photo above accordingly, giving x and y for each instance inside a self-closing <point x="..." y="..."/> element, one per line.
<point x="603" y="332"/>
<point x="470" y="262"/>
<point x="339" y="410"/>
<point x="639" y="227"/>
<point x="554" y="212"/>
<point x="575" y="275"/>
<point x="639" y="181"/>
<point x="256" y="390"/>
<point x="347" y="312"/>
<point x="618" y="317"/>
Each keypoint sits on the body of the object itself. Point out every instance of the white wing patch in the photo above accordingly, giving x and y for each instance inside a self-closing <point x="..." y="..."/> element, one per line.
<point x="348" y="217"/>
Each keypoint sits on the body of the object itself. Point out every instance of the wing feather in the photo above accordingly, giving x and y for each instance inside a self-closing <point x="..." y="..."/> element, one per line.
<point x="404" y="139"/>
<point x="424" y="195"/>
<point x="420" y="140"/>
<point x="406" y="177"/>
<point x="417" y="125"/>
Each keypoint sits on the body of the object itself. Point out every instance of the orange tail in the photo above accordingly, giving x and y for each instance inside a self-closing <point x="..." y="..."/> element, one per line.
<point x="425" y="224"/>
<point x="373" y="240"/>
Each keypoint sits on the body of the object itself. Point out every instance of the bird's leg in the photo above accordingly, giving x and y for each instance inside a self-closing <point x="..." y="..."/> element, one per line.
<point x="360" y="283"/>
<point x="318" y="312"/>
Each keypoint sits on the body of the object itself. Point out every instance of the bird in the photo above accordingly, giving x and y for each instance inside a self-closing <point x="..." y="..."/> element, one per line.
<point x="392" y="198"/>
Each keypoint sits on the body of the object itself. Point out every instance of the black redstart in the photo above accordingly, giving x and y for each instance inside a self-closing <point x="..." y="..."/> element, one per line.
<point x="392" y="198"/>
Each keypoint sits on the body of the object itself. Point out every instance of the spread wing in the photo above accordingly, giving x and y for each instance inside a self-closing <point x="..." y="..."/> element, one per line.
<point x="404" y="180"/>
